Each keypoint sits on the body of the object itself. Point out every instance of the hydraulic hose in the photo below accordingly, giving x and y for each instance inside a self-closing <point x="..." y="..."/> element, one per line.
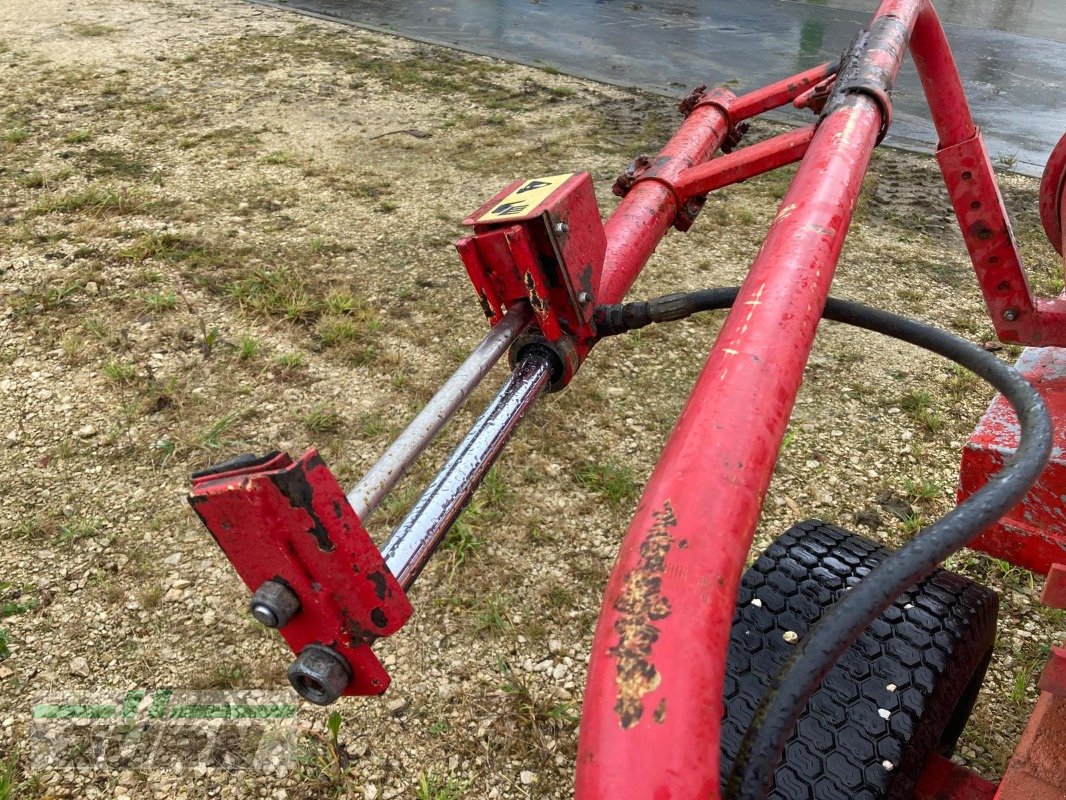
<point x="764" y="741"/>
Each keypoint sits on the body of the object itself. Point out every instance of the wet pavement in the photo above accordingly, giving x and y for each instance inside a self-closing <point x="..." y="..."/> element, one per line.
<point x="1011" y="53"/>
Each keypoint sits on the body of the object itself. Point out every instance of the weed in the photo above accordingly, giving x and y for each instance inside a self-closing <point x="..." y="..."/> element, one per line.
<point x="462" y="540"/>
<point x="5" y="652"/>
<point x="14" y="135"/>
<point x="912" y="523"/>
<point x="247" y="348"/>
<point x="77" y="530"/>
<point x="430" y="787"/>
<point x="612" y="481"/>
<point x="212" y="438"/>
<point x="92" y="30"/>
<point x="493" y="615"/>
<point x="321" y="420"/>
<point x="290" y="361"/>
<point x="386" y="207"/>
<point x="922" y="489"/>
<point x="93" y="200"/>
<point x="118" y="372"/>
<point x="79" y="136"/>
<point x="277" y="157"/>
<point x="160" y="301"/>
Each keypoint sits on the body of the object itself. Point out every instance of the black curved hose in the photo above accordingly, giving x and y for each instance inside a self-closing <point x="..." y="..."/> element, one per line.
<point x="787" y="695"/>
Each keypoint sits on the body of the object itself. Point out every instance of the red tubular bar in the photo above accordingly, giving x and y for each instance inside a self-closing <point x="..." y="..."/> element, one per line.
<point x="651" y="206"/>
<point x="976" y="198"/>
<point x="788" y="148"/>
<point x="653" y="700"/>
<point x="778" y="94"/>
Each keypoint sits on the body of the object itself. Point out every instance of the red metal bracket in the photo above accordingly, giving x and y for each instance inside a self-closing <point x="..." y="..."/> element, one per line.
<point x="943" y="779"/>
<point x="1033" y="534"/>
<point x="285" y="521"/>
<point x="539" y="240"/>
<point x="1053" y="676"/>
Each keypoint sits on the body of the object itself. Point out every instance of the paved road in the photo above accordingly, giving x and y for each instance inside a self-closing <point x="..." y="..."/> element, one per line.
<point x="1013" y="77"/>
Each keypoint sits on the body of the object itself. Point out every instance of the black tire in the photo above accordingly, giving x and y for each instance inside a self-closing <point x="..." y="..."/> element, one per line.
<point x="932" y="645"/>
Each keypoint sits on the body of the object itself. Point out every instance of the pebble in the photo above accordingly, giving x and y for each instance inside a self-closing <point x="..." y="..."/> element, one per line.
<point x="527" y="778"/>
<point x="79" y="666"/>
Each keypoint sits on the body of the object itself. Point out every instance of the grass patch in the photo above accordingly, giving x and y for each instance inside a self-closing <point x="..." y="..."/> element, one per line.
<point x="322" y="420"/>
<point x="79" y="136"/>
<point x="614" y="482"/>
<point x="247" y="348"/>
<point x="92" y="30"/>
<point x="14" y="135"/>
<point x="93" y="200"/>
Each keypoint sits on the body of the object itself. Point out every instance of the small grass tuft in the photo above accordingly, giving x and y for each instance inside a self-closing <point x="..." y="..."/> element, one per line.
<point x="247" y="348"/>
<point x="612" y="481"/>
<point x="322" y="420"/>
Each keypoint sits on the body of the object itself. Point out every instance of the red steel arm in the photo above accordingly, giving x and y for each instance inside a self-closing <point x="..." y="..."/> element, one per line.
<point x="653" y="701"/>
<point x="976" y="198"/>
<point x="788" y="148"/>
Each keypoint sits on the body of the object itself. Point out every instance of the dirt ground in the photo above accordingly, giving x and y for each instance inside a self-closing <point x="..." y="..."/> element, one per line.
<point x="227" y="229"/>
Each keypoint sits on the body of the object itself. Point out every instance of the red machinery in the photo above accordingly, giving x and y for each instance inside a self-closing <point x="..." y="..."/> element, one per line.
<point x="551" y="279"/>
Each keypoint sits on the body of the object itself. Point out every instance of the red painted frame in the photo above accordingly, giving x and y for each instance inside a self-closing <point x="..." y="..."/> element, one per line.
<point x="653" y="699"/>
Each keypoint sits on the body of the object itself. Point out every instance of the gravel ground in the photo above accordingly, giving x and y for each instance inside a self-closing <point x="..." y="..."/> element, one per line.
<point x="227" y="229"/>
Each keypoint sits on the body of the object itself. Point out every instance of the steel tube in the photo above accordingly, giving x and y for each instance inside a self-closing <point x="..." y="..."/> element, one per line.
<point x="652" y="713"/>
<point x="650" y="208"/>
<point x="778" y="94"/>
<point x="409" y="445"/>
<point x="420" y="533"/>
<point x="787" y="148"/>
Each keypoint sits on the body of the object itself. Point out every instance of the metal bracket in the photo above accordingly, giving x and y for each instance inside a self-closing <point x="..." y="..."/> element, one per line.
<point x="289" y="523"/>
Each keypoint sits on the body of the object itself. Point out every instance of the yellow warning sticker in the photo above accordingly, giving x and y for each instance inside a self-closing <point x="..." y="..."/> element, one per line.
<point x="525" y="198"/>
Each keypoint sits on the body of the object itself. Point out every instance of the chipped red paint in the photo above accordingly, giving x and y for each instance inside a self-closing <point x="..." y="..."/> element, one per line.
<point x="1033" y="533"/>
<point x="1035" y="771"/>
<point x="290" y="521"/>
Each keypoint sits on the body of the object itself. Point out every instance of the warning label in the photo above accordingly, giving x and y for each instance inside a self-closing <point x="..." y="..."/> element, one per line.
<point x="525" y="198"/>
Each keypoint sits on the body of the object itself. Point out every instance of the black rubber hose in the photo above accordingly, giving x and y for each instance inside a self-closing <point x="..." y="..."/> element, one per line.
<point x="787" y="695"/>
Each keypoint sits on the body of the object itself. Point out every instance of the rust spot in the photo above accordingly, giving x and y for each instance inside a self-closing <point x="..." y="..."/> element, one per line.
<point x="660" y="712"/>
<point x="540" y="305"/>
<point x="640" y="604"/>
<point x="380" y="585"/>
<point x="297" y="490"/>
<point x="377" y="616"/>
<point x="486" y="309"/>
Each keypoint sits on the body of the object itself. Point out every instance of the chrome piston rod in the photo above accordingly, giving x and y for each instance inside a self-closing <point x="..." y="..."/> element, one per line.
<point x="409" y="445"/>
<point x="423" y="529"/>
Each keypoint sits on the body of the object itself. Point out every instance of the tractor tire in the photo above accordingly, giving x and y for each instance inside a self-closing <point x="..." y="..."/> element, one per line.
<point x="902" y="692"/>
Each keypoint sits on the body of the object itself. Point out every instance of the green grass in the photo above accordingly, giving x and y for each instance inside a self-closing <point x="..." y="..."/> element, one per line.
<point x="918" y="404"/>
<point x="247" y="348"/>
<point x="160" y="301"/>
<point x="79" y="136"/>
<point x="118" y="372"/>
<point x="92" y="200"/>
<point x="431" y="787"/>
<point x="14" y="135"/>
<point x="5" y="651"/>
<point x="213" y="437"/>
<point x="322" y="420"/>
<point x="614" y="482"/>
<point x="290" y="361"/>
<point x="922" y="489"/>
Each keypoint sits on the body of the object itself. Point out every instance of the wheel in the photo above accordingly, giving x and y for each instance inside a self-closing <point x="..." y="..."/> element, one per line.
<point x="902" y="692"/>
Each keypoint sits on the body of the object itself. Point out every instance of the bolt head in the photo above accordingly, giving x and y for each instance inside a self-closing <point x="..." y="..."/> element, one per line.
<point x="320" y="674"/>
<point x="274" y="604"/>
<point x="562" y="228"/>
<point x="584" y="298"/>
<point x="1010" y="314"/>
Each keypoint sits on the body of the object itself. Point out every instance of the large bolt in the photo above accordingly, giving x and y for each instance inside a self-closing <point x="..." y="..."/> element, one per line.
<point x="320" y="674"/>
<point x="1010" y="314"/>
<point x="274" y="604"/>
